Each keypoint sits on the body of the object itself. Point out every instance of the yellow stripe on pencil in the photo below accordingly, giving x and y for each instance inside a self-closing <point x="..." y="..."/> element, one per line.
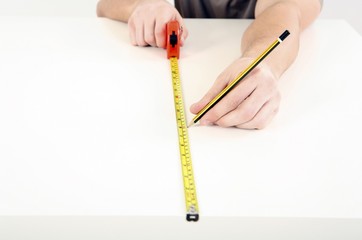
<point x="240" y="77"/>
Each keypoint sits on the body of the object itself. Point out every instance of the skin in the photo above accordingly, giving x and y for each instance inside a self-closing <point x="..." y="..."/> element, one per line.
<point x="254" y="102"/>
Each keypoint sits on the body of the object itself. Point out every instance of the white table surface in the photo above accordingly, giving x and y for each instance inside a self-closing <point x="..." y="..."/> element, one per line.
<point x="141" y="228"/>
<point x="87" y="125"/>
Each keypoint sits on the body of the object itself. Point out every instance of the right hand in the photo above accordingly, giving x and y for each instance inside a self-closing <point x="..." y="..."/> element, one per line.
<point x="252" y="103"/>
<point x="147" y="23"/>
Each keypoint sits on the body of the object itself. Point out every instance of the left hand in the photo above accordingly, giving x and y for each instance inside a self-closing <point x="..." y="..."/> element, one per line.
<point x="252" y="104"/>
<point x="147" y="23"/>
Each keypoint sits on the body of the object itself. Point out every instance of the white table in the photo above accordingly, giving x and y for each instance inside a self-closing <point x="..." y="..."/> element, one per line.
<point x="87" y="126"/>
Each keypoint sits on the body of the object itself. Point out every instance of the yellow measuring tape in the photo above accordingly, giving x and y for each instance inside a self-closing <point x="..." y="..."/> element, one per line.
<point x="192" y="209"/>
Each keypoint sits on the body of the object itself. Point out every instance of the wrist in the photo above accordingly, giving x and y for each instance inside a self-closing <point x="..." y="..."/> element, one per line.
<point x="265" y="65"/>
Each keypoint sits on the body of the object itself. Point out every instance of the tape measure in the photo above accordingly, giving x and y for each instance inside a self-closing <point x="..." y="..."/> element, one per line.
<point x="173" y="53"/>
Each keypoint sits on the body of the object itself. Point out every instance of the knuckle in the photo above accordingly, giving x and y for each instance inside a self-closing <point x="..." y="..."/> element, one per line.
<point x="133" y="41"/>
<point x="276" y="110"/>
<point x="150" y="39"/>
<point x="185" y="33"/>
<point x="160" y="42"/>
<point x="214" y="115"/>
<point x="224" y="123"/>
<point x="269" y="86"/>
<point x="159" y="32"/>
<point x="247" y="114"/>
<point x="141" y="43"/>
<point x="232" y="102"/>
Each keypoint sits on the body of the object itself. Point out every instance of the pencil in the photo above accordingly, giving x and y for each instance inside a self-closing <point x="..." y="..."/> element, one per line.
<point x="240" y="77"/>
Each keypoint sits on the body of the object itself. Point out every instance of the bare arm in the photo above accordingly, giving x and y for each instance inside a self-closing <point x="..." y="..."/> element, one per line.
<point x="255" y="101"/>
<point x="272" y="17"/>
<point x="116" y="9"/>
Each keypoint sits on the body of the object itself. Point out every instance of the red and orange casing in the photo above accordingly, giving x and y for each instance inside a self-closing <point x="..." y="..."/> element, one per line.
<point x="173" y="39"/>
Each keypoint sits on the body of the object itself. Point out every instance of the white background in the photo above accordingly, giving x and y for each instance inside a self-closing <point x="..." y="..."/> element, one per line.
<point x="346" y="9"/>
<point x="227" y="228"/>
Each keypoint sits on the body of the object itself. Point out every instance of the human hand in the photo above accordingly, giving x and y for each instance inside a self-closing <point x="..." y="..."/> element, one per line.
<point x="250" y="105"/>
<point x="147" y="23"/>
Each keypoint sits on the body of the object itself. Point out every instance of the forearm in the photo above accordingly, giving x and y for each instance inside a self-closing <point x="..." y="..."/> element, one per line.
<point x="116" y="9"/>
<point x="120" y="10"/>
<point x="271" y="20"/>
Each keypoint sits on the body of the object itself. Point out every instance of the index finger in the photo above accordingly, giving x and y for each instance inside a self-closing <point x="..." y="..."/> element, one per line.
<point x="229" y="102"/>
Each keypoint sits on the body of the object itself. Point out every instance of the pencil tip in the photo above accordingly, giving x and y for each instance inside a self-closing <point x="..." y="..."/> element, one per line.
<point x="190" y="124"/>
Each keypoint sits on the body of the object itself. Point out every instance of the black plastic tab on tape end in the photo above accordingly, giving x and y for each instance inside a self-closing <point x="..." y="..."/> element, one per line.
<point x="192" y="217"/>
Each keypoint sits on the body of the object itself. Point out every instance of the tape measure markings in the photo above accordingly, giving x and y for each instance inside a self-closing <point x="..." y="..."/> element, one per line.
<point x="184" y="145"/>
